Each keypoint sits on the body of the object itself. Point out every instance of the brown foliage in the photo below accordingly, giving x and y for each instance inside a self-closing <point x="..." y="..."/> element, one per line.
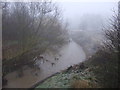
<point x="83" y="84"/>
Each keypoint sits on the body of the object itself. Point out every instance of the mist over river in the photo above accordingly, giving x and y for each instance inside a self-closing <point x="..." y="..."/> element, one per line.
<point x="68" y="55"/>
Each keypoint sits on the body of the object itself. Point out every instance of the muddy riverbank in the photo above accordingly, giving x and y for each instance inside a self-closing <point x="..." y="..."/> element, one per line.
<point x="69" y="54"/>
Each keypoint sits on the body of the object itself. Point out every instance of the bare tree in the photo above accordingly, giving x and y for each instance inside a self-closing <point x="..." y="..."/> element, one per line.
<point x="113" y="33"/>
<point x="28" y="27"/>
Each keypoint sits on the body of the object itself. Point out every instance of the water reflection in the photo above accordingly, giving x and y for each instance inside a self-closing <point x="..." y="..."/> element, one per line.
<point x="70" y="54"/>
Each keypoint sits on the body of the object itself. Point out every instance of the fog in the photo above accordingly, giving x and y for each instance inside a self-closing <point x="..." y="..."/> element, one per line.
<point x="73" y="11"/>
<point x="87" y="22"/>
<point x="41" y="39"/>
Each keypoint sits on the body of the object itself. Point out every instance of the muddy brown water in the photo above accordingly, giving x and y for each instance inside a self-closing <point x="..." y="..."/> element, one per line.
<point x="69" y="54"/>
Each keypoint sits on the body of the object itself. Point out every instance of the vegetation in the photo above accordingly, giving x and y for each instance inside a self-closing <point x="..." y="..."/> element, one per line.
<point x="29" y="28"/>
<point x="74" y="77"/>
<point x="100" y="70"/>
<point x="104" y="62"/>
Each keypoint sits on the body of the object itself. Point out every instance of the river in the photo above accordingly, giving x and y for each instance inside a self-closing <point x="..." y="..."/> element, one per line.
<point x="68" y="55"/>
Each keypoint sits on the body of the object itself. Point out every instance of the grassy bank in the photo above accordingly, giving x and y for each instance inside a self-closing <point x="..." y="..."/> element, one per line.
<point x="96" y="72"/>
<point x="77" y="76"/>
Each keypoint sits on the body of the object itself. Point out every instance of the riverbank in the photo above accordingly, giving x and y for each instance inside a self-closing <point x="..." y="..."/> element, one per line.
<point x="99" y="71"/>
<point x="68" y="55"/>
<point x="77" y="76"/>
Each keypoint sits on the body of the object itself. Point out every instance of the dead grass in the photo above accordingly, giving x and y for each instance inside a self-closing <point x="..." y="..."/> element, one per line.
<point x="83" y="84"/>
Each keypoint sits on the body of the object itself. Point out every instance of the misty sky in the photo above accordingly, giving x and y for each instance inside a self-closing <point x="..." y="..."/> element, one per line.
<point x="73" y="11"/>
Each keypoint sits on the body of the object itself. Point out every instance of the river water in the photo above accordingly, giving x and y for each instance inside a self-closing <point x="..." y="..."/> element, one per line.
<point x="68" y="55"/>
